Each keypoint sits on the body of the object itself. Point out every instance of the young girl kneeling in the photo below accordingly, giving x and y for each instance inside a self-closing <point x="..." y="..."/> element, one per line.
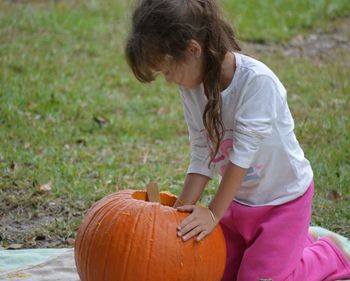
<point x="239" y="122"/>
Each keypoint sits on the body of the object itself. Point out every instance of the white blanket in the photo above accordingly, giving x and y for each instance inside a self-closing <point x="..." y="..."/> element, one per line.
<point x="38" y="265"/>
<point x="59" y="264"/>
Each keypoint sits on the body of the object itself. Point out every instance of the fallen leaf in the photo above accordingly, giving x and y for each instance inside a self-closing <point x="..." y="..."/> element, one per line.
<point x="18" y="274"/>
<point x="298" y="40"/>
<point x="145" y="157"/>
<point x="45" y="187"/>
<point x="40" y="237"/>
<point x="81" y="142"/>
<point x="71" y="241"/>
<point x="31" y="105"/>
<point x="161" y="111"/>
<point x="334" y="195"/>
<point x="101" y="121"/>
<point x="14" y="246"/>
<point x="13" y="166"/>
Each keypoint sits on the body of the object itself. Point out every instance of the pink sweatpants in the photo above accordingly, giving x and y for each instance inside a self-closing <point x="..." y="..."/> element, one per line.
<point x="272" y="243"/>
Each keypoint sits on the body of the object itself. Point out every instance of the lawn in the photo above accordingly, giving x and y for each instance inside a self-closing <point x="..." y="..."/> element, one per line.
<point x="75" y="125"/>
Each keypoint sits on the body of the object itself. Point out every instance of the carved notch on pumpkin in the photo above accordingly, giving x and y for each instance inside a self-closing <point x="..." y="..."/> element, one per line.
<point x="153" y="192"/>
<point x="166" y="199"/>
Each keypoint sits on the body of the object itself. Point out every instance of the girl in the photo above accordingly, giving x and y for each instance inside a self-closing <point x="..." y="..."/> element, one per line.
<point x="238" y="121"/>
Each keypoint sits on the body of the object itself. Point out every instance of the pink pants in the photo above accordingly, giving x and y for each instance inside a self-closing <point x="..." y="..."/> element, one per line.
<point x="272" y="243"/>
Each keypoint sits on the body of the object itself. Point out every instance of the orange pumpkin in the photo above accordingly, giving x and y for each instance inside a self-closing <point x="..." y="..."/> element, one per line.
<point x="124" y="238"/>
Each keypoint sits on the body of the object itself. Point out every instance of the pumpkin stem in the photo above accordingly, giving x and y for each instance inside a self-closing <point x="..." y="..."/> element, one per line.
<point x="153" y="192"/>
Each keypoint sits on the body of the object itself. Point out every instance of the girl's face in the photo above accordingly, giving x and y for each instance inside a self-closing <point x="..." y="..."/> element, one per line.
<point x="187" y="73"/>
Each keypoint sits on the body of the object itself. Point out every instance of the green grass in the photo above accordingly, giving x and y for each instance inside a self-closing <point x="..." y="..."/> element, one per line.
<point x="273" y="20"/>
<point x="62" y="66"/>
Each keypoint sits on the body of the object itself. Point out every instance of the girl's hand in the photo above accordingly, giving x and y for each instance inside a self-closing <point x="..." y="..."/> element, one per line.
<point x="202" y="221"/>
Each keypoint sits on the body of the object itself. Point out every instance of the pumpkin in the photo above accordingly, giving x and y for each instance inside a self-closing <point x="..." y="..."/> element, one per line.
<point x="124" y="237"/>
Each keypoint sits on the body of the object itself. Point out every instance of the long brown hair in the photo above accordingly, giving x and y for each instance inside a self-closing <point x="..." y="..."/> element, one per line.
<point x="164" y="27"/>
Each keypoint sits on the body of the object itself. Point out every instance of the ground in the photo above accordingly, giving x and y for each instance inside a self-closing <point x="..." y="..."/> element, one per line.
<point x="38" y="218"/>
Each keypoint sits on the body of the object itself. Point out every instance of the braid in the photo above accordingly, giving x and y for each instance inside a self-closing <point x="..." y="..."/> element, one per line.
<point x="220" y="39"/>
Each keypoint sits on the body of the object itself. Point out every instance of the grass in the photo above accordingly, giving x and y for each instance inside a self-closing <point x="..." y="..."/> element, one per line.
<point x="72" y="114"/>
<point x="276" y="21"/>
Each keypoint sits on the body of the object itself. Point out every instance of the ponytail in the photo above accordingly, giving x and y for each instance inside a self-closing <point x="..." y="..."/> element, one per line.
<point x="220" y="39"/>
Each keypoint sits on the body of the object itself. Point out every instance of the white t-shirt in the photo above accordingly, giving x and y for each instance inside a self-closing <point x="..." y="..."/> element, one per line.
<point x="258" y="136"/>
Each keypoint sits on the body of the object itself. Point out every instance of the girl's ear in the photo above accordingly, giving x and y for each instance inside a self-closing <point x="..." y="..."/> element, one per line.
<point x="194" y="48"/>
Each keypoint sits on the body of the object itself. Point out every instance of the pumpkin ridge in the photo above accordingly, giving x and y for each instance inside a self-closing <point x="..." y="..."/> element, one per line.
<point x="180" y="253"/>
<point x="131" y="244"/>
<point x="155" y="209"/>
<point x="165" y="257"/>
<point x="101" y="214"/>
<point x="92" y="221"/>
<point x="84" y="227"/>
<point x="110" y="240"/>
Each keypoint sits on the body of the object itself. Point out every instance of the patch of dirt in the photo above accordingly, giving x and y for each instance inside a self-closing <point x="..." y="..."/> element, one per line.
<point x="31" y="218"/>
<point x="318" y="44"/>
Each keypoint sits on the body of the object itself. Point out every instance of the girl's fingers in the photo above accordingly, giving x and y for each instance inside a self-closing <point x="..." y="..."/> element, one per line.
<point x="202" y="235"/>
<point x="185" y="222"/>
<point x="187" y="228"/>
<point x="186" y="208"/>
<point x="191" y="233"/>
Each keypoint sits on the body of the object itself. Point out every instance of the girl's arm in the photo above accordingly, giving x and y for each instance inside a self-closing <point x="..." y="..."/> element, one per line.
<point x="203" y="220"/>
<point x="228" y="188"/>
<point x="193" y="188"/>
